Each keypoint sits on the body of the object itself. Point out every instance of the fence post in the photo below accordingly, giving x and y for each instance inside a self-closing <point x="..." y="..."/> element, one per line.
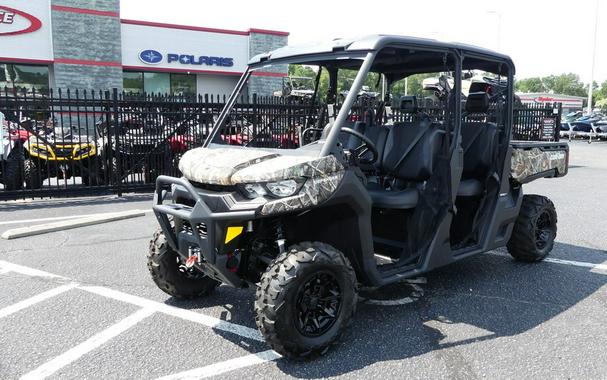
<point x="116" y="150"/>
<point x="557" y="129"/>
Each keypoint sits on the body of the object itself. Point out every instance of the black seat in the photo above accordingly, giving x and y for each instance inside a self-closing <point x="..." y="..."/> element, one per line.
<point x="480" y="145"/>
<point x="408" y="156"/>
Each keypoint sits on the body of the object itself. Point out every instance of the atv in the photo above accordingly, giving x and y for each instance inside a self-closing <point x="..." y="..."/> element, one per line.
<point x="141" y="143"/>
<point x="370" y="203"/>
<point x="11" y="156"/>
<point x="55" y="151"/>
<point x="296" y="88"/>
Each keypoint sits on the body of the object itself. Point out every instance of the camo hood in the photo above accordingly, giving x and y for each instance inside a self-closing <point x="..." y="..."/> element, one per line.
<point x="230" y="166"/>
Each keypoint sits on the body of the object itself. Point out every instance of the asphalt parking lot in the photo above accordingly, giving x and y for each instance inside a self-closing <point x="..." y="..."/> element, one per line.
<point x="80" y="304"/>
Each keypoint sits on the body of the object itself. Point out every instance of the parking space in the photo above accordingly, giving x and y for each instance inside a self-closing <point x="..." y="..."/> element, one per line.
<point x="80" y="304"/>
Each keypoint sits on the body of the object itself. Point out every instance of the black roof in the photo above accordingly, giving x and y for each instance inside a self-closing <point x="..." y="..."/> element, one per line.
<point x="356" y="47"/>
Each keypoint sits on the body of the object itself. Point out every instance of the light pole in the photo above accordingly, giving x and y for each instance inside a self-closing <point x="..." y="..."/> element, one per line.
<point x="596" y="22"/>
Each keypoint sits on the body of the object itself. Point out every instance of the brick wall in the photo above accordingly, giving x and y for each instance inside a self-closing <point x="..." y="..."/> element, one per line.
<point x="86" y="44"/>
<point x="262" y="43"/>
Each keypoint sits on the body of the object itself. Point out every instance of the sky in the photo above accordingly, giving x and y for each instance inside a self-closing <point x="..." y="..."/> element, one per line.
<point x="543" y="37"/>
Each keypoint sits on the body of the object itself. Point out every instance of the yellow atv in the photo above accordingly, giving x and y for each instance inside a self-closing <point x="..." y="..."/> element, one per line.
<point x="54" y="152"/>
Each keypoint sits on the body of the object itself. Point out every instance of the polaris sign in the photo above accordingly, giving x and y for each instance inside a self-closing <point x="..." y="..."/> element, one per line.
<point x="154" y="57"/>
<point x="151" y="57"/>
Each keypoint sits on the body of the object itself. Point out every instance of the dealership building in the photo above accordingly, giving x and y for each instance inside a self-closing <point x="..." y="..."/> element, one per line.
<point x="80" y="44"/>
<point x="569" y="103"/>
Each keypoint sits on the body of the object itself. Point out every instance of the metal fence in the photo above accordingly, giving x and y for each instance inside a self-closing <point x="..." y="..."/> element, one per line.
<point x="537" y="122"/>
<point x="66" y="143"/>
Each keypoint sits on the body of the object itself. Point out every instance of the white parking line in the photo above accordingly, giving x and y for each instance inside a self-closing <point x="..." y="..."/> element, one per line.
<point x="600" y="267"/>
<point x="582" y="264"/>
<point x="187" y="315"/>
<point x="10" y="267"/>
<point x="87" y="346"/>
<point x="35" y="299"/>
<point x="226" y="366"/>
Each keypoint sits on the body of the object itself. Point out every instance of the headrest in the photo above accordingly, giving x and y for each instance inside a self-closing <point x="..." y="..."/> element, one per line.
<point x="407" y="104"/>
<point x="477" y="102"/>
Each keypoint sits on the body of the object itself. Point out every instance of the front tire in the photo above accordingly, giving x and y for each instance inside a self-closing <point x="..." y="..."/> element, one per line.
<point x="305" y="300"/>
<point x="164" y="266"/>
<point x="32" y="174"/>
<point x="534" y="230"/>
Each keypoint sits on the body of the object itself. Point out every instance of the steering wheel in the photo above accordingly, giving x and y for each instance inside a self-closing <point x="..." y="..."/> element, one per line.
<point x="366" y="146"/>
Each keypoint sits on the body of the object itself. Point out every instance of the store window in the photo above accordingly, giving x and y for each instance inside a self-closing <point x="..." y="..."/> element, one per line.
<point x="159" y="83"/>
<point x="132" y="82"/>
<point x="24" y="77"/>
<point x="183" y="84"/>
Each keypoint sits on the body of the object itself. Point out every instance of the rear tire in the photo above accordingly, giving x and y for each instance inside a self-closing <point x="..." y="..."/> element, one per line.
<point x="534" y="230"/>
<point x="163" y="264"/>
<point x="305" y="300"/>
<point x="13" y="174"/>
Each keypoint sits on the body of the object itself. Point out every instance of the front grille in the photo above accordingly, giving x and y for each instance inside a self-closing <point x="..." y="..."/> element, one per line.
<point x="201" y="229"/>
<point x="63" y="152"/>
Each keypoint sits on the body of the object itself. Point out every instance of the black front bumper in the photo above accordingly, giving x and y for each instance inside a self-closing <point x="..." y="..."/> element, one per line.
<point x="198" y="226"/>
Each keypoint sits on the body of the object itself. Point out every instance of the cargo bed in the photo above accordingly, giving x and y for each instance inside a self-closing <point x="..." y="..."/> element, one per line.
<point x="538" y="159"/>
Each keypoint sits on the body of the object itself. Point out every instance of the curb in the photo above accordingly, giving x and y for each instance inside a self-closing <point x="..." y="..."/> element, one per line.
<point x="69" y="224"/>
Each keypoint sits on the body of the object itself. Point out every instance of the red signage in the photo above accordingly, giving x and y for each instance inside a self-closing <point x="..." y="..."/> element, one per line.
<point x="10" y="16"/>
<point x="544" y="99"/>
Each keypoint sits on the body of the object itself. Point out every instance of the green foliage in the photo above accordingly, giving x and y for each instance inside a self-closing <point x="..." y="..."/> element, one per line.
<point x="566" y="84"/>
<point x="530" y="85"/>
<point x="599" y="96"/>
<point x="414" y="84"/>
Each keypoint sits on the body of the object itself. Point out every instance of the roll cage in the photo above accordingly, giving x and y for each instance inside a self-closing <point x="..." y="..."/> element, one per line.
<point x="384" y="55"/>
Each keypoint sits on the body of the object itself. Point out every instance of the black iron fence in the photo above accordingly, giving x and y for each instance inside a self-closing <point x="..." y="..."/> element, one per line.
<point x="537" y="122"/>
<point x="67" y="143"/>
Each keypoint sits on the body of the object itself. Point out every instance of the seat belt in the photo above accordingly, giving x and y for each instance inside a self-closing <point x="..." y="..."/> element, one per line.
<point x="416" y="140"/>
<point x="472" y="140"/>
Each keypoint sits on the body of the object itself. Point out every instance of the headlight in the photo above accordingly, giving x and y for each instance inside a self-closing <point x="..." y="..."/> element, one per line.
<point x="283" y="188"/>
<point x="38" y="150"/>
<point x="254" y="190"/>
<point x="278" y="189"/>
<point x="85" y="149"/>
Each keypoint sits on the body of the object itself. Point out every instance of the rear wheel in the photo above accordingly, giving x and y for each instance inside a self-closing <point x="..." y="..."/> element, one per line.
<point x="305" y="299"/>
<point x="171" y="276"/>
<point x="13" y="174"/>
<point x="534" y="230"/>
<point x="91" y="175"/>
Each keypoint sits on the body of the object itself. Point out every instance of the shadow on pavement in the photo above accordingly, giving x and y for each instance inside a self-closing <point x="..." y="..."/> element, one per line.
<point x="478" y="299"/>
<point x="481" y="298"/>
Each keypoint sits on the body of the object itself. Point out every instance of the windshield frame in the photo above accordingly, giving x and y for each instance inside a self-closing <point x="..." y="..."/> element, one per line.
<point x="321" y="60"/>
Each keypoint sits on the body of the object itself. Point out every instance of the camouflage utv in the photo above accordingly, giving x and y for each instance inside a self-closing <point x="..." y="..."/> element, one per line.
<point x="370" y="203"/>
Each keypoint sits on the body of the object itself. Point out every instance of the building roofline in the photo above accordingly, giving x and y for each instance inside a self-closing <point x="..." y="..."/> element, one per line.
<point x="204" y="29"/>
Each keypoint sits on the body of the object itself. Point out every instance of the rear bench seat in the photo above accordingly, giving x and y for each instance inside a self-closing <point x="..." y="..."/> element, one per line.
<point x="480" y="145"/>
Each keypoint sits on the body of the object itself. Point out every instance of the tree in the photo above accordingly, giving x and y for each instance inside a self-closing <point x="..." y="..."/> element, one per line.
<point x="530" y="85"/>
<point x="566" y="84"/>
<point x="599" y="96"/>
<point x="414" y="84"/>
